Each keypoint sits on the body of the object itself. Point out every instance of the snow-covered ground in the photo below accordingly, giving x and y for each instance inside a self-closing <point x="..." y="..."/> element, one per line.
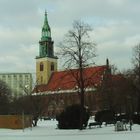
<point x="46" y="130"/>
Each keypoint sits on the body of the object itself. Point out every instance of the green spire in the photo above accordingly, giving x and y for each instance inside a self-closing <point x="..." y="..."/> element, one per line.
<point x="46" y="31"/>
<point x="46" y="43"/>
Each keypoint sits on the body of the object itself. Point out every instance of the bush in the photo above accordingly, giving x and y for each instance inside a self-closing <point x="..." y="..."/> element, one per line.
<point x="105" y="116"/>
<point x="70" y="117"/>
<point x="136" y="118"/>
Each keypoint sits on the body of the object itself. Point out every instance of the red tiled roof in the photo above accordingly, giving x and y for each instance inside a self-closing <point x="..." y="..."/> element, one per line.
<point x="66" y="80"/>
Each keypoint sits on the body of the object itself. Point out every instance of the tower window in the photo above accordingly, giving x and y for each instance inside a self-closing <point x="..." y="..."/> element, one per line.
<point x="41" y="66"/>
<point x="52" y="66"/>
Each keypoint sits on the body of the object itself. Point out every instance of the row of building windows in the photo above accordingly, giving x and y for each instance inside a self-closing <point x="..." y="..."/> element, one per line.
<point x="17" y="82"/>
<point x="15" y="75"/>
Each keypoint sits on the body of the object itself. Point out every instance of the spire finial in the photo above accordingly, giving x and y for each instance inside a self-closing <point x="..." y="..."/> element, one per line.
<point x="46" y="20"/>
<point x="45" y="13"/>
<point x="107" y="62"/>
<point x="46" y="31"/>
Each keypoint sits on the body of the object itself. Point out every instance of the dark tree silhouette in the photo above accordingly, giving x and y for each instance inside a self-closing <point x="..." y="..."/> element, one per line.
<point x="5" y="98"/>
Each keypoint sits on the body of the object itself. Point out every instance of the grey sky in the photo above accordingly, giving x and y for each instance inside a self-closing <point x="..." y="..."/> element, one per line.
<point x="115" y="26"/>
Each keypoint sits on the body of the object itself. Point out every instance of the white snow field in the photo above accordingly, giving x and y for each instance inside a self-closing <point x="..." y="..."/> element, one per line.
<point x="47" y="130"/>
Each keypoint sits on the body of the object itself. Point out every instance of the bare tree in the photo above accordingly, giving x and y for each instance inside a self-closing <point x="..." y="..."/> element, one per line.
<point x="78" y="50"/>
<point x="5" y="97"/>
<point x="136" y="71"/>
<point x="38" y="105"/>
<point x="33" y="105"/>
<point x="136" y="62"/>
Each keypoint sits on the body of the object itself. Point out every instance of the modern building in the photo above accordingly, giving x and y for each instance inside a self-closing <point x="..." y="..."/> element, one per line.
<point x="19" y="83"/>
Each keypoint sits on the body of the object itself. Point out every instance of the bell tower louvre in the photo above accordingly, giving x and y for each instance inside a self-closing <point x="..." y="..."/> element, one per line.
<point x="46" y="62"/>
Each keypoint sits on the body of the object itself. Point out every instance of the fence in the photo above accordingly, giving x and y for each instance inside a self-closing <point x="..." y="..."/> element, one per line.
<point x="15" y="121"/>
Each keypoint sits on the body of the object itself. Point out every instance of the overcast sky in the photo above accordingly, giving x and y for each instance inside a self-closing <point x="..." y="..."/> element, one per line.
<point x="115" y="26"/>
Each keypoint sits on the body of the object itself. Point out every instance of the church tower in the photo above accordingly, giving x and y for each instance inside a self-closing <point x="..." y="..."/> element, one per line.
<point x="46" y="62"/>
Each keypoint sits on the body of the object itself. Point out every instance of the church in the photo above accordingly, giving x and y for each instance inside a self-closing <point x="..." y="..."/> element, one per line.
<point x="60" y="87"/>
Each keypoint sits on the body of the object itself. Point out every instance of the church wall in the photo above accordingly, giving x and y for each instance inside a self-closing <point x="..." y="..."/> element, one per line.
<point x="56" y="103"/>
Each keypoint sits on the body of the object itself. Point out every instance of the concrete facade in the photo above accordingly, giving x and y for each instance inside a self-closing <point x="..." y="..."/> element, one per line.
<point x="19" y="83"/>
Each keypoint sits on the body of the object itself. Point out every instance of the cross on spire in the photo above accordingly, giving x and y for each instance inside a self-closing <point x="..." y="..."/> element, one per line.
<point x="45" y="13"/>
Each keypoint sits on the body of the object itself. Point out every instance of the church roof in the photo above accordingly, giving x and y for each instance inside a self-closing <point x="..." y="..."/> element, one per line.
<point x="69" y="79"/>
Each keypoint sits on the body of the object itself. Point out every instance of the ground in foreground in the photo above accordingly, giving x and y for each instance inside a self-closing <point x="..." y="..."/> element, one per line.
<point x="47" y="130"/>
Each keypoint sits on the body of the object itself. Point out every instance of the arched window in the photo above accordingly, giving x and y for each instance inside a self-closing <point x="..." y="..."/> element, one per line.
<point x="41" y="66"/>
<point x="52" y="66"/>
